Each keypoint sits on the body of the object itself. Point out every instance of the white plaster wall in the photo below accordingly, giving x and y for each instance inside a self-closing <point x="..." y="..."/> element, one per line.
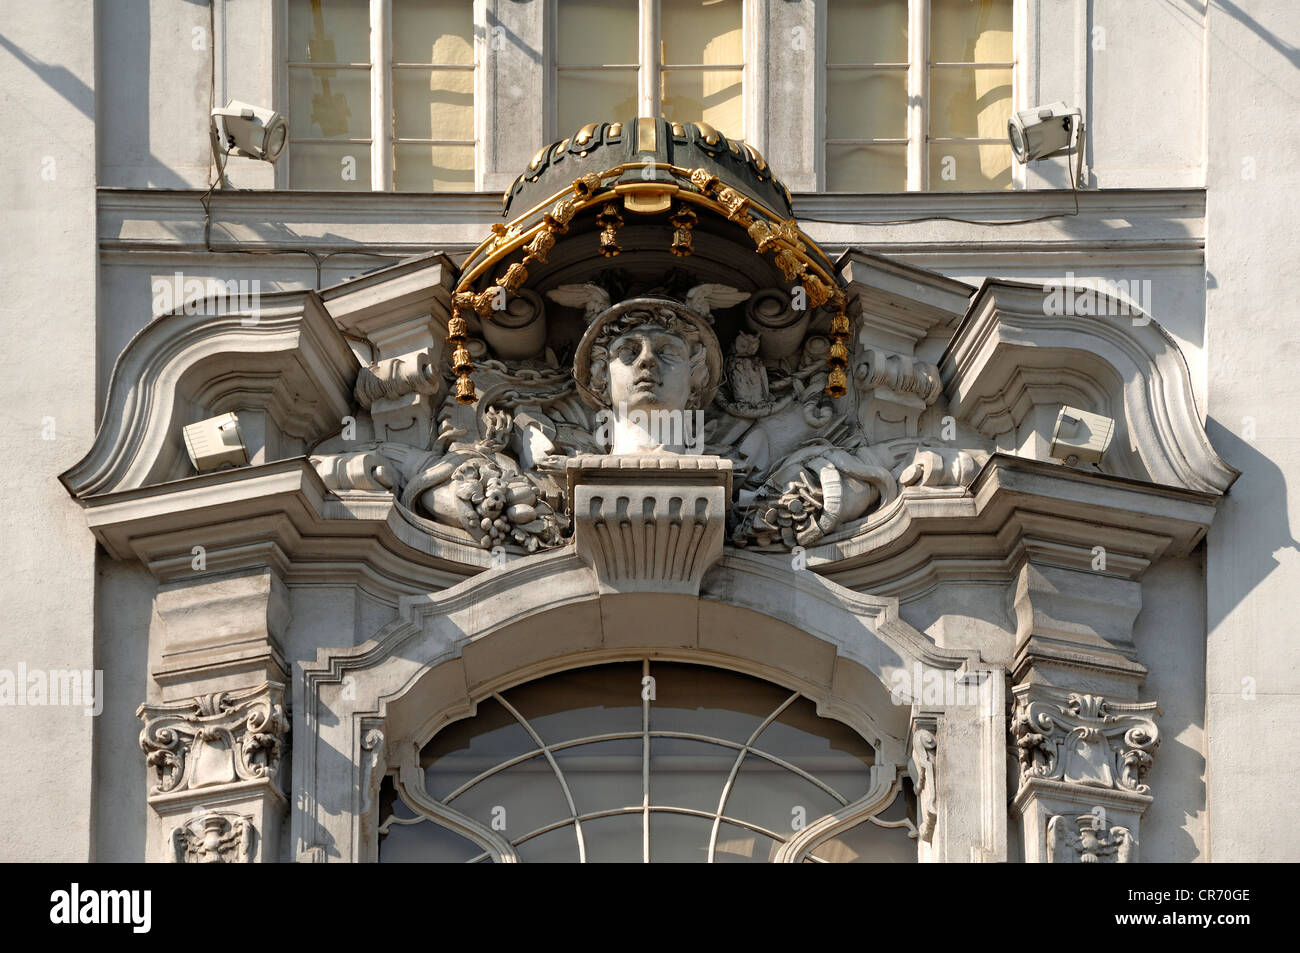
<point x="47" y="314"/>
<point x="1146" y="93"/>
<point x="124" y="605"/>
<point x="1253" y="346"/>
<point x="155" y="78"/>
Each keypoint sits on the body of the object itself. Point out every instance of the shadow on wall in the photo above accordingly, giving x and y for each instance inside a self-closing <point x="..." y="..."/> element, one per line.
<point x="1255" y="511"/>
<point x="127" y="110"/>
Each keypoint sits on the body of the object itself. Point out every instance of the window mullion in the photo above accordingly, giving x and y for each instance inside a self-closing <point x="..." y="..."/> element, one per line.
<point x="918" y="75"/>
<point x="649" y="102"/>
<point x="381" y="96"/>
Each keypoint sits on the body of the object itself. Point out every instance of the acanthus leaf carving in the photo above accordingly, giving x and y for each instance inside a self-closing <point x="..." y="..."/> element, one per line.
<point x="1085" y="739"/>
<point x="216" y="738"/>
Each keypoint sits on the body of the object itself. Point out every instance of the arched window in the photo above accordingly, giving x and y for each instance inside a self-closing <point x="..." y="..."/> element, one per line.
<point x="648" y="761"/>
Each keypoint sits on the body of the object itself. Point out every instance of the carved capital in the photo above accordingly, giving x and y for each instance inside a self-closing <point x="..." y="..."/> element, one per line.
<point x="1084" y="739"/>
<point x="214" y="837"/>
<point x="215" y="739"/>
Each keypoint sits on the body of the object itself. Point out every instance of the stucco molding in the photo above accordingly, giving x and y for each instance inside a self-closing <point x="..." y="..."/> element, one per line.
<point x="286" y="362"/>
<point x="1010" y="354"/>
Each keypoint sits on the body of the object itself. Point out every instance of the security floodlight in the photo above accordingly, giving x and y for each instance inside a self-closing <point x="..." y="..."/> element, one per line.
<point x="215" y="442"/>
<point x="242" y="129"/>
<point x="1081" y="437"/>
<point x="1044" y="131"/>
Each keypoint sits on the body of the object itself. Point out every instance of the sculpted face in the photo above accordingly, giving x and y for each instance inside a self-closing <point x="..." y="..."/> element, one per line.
<point x="650" y="369"/>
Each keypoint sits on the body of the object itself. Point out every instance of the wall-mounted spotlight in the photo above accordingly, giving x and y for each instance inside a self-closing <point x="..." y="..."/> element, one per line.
<point x="241" y="129"/>
<point x="1045" y="131"/>
<point x="215" y="443"/>
<point x="1081" y="437"/>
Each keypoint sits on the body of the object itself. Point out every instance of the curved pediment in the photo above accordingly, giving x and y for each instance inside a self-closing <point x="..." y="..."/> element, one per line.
<point x="1023" y="350"/>
<point x="283" y="367"/>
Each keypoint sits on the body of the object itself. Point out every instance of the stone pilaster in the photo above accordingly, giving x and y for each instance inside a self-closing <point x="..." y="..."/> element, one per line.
<point x="1083" y="761"/>
<point x="214" y="762"/>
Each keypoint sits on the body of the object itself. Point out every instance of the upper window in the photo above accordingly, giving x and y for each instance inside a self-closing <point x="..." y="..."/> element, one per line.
<point x="381" y="95"/>
<point x="649" y="761"/>
<point x="681" y="59"/>
<point x="918" y="94"/>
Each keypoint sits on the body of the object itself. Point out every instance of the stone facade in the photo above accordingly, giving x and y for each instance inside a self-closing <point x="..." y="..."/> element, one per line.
<point x="449" y="492"/>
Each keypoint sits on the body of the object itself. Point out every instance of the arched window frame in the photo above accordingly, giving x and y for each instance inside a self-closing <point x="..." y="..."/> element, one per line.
<point x="886" y="784"/>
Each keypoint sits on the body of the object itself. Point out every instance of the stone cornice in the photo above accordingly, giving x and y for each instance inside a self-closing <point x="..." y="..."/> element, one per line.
<point x="1165" y="225"/>
<point x="1016" y="506"/>
<point x="282" y="514"/>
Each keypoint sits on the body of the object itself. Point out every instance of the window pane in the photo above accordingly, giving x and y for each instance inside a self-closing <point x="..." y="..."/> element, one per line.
<point x="433" y="104"/>
<point x="594" y="96"/>
<point x="616" y="839"/>
<point x="970" y="31"/>
<point x="679" y="838"/>
<point x="686" y="773"/>
<point x="866" y="168"/>
<point x="587" y="701"/>
<point x="828" y="750"/>
<point x="776" y="798"/>
<point x="967" y="165"/>
<point x="433" y="31"/>
<point x="329" y="103"/>
<point x="426" y="168"/>
<point x="969" y="102"/>
<point x="712" y="96"/>
<point x="702" y="32"/>
<point x="603" y="775"/>
<point x="740" y="845"/>
<point x="597" y="33"/>
<point x="425" y="843"/>
<point x="866" y="31"/>
<point x="523" y="798"/>
<point x="866" y="104"/>
<point x="329" y="165"/>
<point x="465" y="749"/>
<point x="705" y="701"/>
<point x="329" y="31"/>
<point x="559" y="846"/>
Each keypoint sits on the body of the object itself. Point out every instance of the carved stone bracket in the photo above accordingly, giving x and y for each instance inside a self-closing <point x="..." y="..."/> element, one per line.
<point x="922" y="769"/>
<point x="215" y="837"/>
<point x="1085" y="739"/>
<point x="215" y="739"/>
<point x="649" y="523"/>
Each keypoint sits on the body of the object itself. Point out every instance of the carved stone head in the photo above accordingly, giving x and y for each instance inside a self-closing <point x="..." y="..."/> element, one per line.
<point x="649" y="354"/>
